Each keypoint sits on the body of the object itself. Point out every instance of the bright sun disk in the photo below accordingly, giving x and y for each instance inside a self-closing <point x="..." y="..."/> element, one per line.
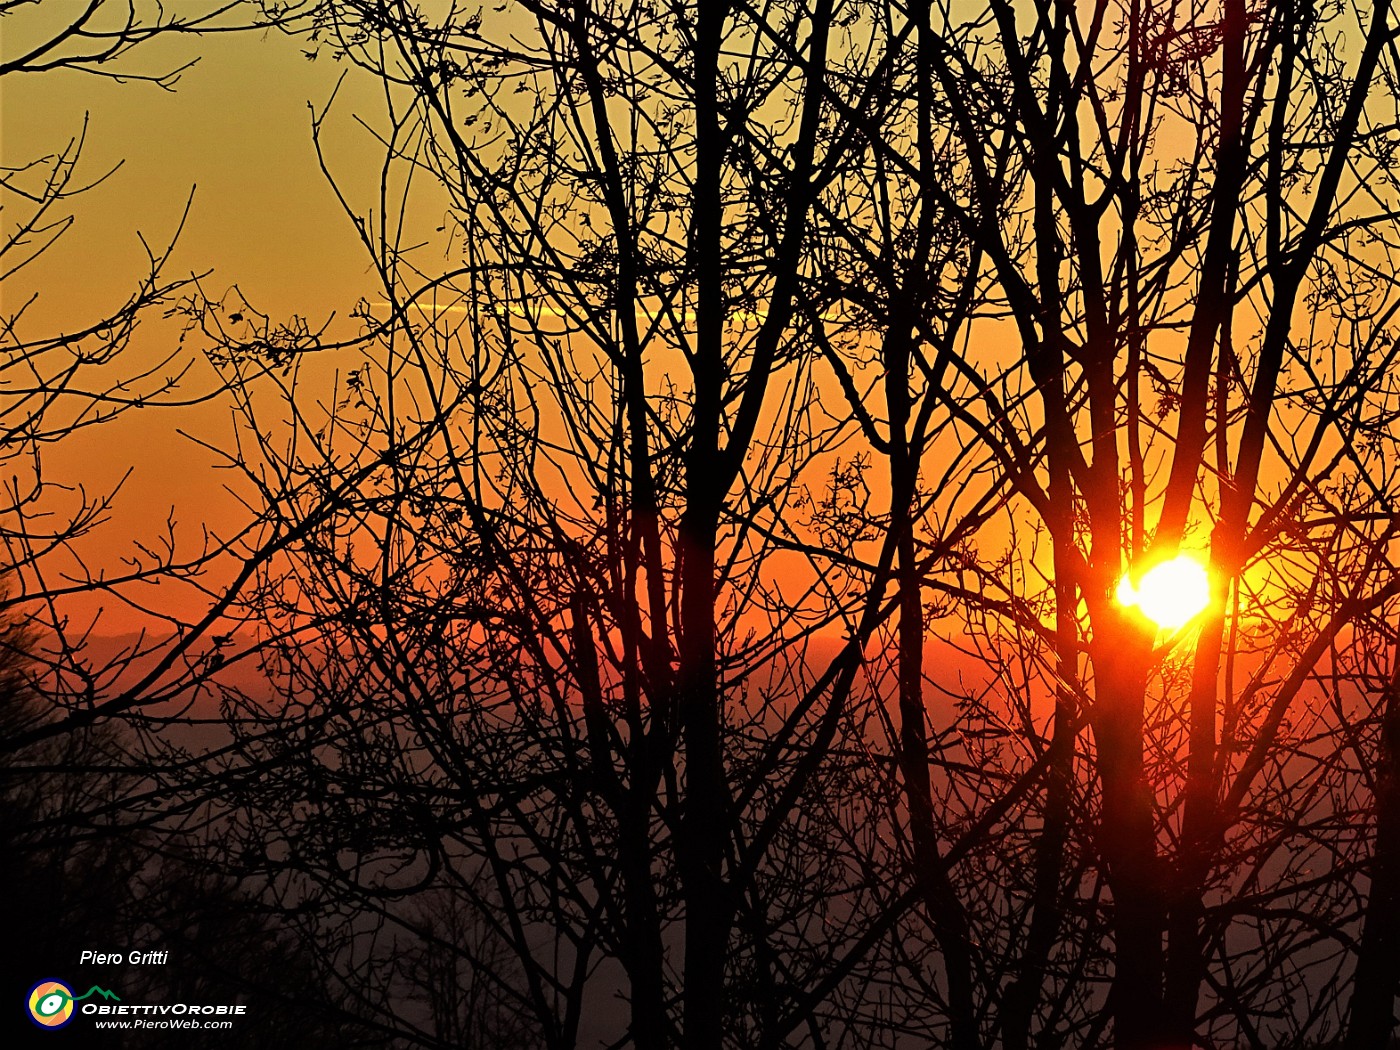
<point x="1170" y="593"/>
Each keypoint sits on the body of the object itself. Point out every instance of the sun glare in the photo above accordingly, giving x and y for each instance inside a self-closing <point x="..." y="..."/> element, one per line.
<point x="1169" y="594"/>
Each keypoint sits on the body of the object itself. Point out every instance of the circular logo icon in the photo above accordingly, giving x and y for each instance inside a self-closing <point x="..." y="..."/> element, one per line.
<point x="51" y="1004"/>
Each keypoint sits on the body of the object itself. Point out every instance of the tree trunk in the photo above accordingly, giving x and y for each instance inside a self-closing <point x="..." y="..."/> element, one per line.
<point x="1372" y="1022"/>
<point x="702" y="835"/>
<point x="1128" y="847"/>
<point x="945" y="911"/>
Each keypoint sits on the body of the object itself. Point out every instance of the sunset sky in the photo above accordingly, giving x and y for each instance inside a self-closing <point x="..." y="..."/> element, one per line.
<point x="235" y="132"/>
<point x="820" y="523"/>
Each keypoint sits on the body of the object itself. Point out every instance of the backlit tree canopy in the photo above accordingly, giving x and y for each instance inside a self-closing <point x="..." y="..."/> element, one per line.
<point x="734" y="580"/>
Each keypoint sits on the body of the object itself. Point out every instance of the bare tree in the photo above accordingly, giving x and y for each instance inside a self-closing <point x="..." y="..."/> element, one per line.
<point x="590" y="613"/>
<point x="1156" y="192"/>
<point x="569" y="606"/>
<point x="59" y="385"/>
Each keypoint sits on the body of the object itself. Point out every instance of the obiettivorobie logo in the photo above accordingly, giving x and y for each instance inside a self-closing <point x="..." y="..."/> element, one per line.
<point x="51" y="1002"/>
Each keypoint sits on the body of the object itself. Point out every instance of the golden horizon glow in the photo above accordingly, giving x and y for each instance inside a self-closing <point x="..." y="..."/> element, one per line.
<point x="1170" y="594"/>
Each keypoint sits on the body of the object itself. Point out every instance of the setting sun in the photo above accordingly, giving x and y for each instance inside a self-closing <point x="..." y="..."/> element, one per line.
<point x="1169" y="594"/>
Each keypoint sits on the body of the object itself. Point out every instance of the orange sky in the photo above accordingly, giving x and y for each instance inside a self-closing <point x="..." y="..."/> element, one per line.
<point x="236" y="132"/>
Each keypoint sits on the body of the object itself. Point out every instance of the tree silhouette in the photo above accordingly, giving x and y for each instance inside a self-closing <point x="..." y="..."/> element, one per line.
<point x="700" y="585"/>
<point x="56" y="386"/>
<point x="1152" y="228"/>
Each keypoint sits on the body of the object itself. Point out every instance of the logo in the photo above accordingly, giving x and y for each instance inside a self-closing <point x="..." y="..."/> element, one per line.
<point x="51" y="1002"/>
